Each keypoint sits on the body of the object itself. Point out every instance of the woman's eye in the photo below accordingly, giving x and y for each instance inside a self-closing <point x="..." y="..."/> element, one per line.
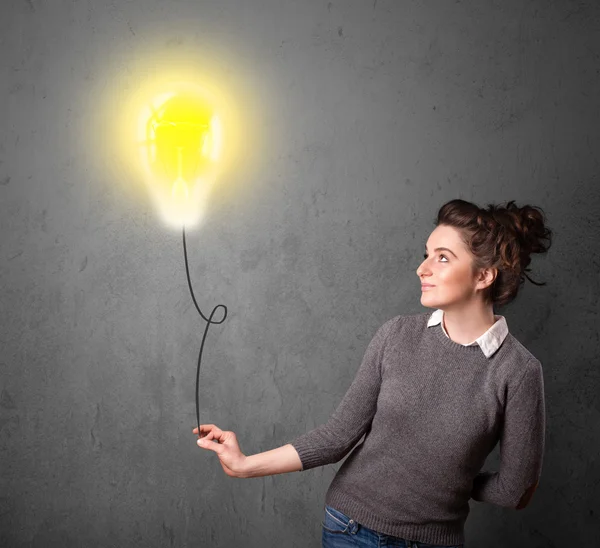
<point x="425" y="256"/>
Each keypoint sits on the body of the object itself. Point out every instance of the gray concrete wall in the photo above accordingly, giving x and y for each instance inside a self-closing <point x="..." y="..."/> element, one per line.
<point x="367" y="117"/>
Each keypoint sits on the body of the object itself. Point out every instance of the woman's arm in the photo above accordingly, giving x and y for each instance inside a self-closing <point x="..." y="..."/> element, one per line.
<point x="522" y="442"/>
<point x="332" y="441"/>
<point x="276" y="461"/>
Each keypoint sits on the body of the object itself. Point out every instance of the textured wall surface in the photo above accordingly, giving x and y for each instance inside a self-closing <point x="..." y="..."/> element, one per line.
<point x="372" y="115"/>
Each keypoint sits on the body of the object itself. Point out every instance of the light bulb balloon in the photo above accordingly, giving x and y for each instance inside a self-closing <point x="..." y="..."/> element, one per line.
<point x="180" y="138"/>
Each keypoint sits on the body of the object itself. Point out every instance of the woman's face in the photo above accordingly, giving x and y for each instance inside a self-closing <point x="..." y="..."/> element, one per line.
<point x="448" y="270"/>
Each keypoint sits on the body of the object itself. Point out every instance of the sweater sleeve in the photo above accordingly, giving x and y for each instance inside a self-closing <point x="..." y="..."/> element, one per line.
<point x="522" y="440"/>
<point x="331" y="441"/>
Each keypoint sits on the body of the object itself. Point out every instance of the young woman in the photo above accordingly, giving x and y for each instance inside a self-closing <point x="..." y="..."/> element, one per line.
<point x="433" y="396"/>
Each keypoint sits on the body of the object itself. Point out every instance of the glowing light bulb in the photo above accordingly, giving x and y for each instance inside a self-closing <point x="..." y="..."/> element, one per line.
<point x="181" y="138"/>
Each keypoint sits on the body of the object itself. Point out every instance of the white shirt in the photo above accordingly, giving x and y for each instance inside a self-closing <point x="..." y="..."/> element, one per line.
<point x="489" y="342"/>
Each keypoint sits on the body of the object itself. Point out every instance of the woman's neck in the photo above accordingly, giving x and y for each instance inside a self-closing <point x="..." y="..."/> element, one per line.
<point x="468" y="325"/>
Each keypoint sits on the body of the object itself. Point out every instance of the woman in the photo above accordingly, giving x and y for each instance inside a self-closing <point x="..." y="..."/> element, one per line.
<point x="433" y="396"/>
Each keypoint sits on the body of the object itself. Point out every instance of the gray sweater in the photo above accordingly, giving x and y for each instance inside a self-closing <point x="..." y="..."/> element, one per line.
<point x="432" y="410"/>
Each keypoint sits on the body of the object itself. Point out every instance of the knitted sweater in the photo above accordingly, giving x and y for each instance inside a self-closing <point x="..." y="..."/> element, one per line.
<point x="432" y="410"/>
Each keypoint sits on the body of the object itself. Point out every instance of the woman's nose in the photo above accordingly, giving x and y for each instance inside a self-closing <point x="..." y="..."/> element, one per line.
<point x="421" y="270"/>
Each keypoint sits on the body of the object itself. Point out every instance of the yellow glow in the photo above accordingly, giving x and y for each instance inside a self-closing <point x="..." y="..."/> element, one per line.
<point x="180" y="136"/>
<point x="142" y="100"/>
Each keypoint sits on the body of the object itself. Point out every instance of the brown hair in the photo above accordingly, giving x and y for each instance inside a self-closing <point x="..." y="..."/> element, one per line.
<point x="501" y="237"/>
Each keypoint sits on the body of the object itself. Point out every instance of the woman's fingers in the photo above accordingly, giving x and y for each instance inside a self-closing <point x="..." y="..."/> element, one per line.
<point x="209" y="431"/>
<point x="209" y="444"/>
<point x="203" y="428"/>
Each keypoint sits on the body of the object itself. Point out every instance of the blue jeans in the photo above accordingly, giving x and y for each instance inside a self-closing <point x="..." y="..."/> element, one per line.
<point x="339" y="531"/>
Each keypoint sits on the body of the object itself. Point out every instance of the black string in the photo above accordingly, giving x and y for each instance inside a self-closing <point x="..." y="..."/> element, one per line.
<point x="209" y="320"/>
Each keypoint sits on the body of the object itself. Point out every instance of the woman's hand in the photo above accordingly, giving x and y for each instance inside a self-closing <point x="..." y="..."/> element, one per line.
<point x="227" y="449"/>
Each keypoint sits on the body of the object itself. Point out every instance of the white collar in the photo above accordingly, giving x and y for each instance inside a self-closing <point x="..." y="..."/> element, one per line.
<point x="489" y="342"/>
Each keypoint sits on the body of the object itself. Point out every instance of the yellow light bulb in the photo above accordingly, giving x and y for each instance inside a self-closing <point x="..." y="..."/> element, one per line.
<point x="181" y="138"/>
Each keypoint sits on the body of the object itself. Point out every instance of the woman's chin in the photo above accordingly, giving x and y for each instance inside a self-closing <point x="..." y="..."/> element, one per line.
<point x="428" y="300"/>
